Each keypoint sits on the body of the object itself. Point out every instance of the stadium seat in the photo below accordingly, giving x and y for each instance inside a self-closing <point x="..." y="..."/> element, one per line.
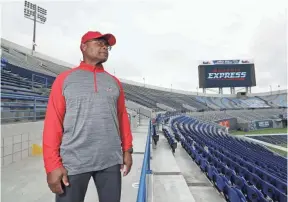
<point x="235" y="195"/>
<point x="242" y="170"/>
<point x="253" y="194"/>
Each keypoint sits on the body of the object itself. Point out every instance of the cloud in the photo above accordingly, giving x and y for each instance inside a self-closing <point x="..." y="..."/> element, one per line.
<point x="269" y="48"/>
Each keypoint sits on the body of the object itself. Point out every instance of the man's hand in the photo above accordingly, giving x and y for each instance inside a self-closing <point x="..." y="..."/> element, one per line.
<point x="127" y="158"/>
<point x="55" y="178"/>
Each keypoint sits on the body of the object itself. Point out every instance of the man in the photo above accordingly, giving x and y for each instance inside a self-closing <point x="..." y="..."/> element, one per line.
<point x="86" y="129"/>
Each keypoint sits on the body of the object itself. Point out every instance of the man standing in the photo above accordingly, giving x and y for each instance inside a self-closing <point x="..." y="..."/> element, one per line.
<point x="86" y="129"/>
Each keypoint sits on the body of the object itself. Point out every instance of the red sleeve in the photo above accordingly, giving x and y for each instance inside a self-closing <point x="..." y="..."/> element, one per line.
<point x="53" y="125"/>
<point x="123" y="119"/>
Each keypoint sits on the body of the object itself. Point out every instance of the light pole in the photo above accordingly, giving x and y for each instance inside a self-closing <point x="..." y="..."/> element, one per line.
<point x="270" y="89"/>
<point x="37" y="14"/>
<point x="144" y="81"/>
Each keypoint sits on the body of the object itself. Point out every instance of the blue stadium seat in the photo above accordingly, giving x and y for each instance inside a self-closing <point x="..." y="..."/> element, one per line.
<point x="221" y="183"/>
<point x="279" y="196"/>
<point x="242" y="170"/>
<point x="253" y="194"/>
<point x="235" y="195"/>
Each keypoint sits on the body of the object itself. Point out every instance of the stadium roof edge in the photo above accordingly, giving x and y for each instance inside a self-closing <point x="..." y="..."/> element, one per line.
<point x="27" y="51"/>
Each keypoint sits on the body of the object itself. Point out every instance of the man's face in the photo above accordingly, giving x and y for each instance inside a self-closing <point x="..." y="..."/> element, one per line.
<point x="96" y="49"/>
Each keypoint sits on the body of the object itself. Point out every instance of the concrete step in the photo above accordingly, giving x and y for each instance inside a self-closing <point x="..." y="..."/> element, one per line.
<point x="163" y="159"/>
<point x="168" y="183"/>
<point x="170" y="189"/>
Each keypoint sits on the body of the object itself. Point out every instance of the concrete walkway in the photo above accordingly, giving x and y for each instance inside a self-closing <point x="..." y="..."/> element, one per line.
<point x="178" y="178"/>
<point x="25" y="181"/>
<point x="175" y="177"/>
<point x="169" y="184"/>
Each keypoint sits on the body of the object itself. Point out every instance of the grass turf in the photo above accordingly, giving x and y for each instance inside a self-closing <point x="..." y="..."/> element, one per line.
<point x="264" y="131"/>
<point x="278" y="151"/>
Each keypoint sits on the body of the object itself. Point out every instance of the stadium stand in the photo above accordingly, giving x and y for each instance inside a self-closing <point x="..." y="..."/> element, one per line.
<point x="212" y="115"/>
<point x="241" y="170"/>
<point x="151" y="97"/>
<point x="240" y="115"/>
<point x="279" y="100"/>
<point x="248" y="115"/>
<point x="26" y="82"/>
<point x="170" y="139"/>
<point x="254" y="102"/>
<point x="17" y="81"/>
<point x="20" y="99"/>
<point x="134" y="94"/>
<point x="273" y="139"/>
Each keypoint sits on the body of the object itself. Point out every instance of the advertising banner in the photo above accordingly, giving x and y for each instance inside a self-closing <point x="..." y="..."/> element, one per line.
<point x="225" y="123"/>
<point x="230" y="124"/>
<point x="264" y="124"/>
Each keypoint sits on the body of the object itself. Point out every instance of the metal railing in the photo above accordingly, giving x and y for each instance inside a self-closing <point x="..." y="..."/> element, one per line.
<point x="34" y="78"/>
<point x="22" y="107"/>
<point x="142" y="190"/>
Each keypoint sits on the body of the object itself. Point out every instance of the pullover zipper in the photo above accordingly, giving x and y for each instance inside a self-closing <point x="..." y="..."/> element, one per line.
<point x="95" y="82"/>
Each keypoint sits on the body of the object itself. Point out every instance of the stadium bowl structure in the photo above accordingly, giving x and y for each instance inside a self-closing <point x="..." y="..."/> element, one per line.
<point x="239" y="168"/>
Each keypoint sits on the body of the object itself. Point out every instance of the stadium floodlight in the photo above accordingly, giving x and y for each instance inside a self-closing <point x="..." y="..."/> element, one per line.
<point x="37" y="14"/>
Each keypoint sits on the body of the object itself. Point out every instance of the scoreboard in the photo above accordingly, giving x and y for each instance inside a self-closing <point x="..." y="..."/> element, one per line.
<point x="226" y="73"/>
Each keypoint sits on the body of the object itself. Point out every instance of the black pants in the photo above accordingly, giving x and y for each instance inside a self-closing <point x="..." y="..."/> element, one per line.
<point x="107" y="181"/>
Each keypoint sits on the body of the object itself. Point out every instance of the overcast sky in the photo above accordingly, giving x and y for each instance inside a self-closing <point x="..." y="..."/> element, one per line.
<point x="163" y="40"/>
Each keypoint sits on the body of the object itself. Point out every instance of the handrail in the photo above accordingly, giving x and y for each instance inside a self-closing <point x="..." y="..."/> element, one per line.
<point x="142" y="193"/>
<point x="33" y="79"/>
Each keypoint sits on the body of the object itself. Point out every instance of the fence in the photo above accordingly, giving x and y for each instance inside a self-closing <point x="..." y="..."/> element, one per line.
<point x="142" y="191"/>
<point x="21" y="107"/>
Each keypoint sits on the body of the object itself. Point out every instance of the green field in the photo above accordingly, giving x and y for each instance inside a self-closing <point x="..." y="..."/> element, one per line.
<point x="280" y="152"/>
<point x="264" y="131"/>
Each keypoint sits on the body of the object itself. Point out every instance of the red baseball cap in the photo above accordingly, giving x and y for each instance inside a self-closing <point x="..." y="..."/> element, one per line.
<point x="95" y="35"/>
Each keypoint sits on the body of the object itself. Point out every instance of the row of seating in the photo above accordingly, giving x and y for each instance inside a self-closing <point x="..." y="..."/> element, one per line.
<point x="273" y="139"/>
<point x="18" y="60"/>
<point x="13" y="83"/>
<point x="147" y="96"/>
<point x="21" y="100"/>
<point x="242" y="116"/>
<point x="241" y="170"/>
<point x="242" y="149"/>
<point x="20" y="71"/>
<point x="225" y="178"/>
<point x="249" y="102"/>
<point x="155" y="136"/>
<point x="279" y="100"/>
<point x="170" y="139"/>
<point x="177" y="100"/>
